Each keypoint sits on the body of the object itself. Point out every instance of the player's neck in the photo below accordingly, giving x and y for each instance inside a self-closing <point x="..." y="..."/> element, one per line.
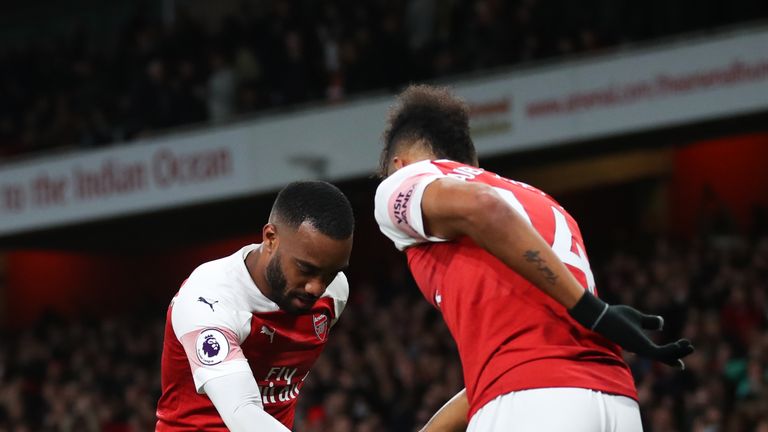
<point x="410" y="156"/>
<point x="256" y="269"/>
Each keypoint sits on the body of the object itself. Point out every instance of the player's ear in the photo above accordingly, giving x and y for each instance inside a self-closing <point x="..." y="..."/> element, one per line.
<point x="269" y="236"/>
<point x="395" y="164"/>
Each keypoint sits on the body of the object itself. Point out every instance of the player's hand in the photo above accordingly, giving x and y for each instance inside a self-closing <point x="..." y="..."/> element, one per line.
<point x="451" y="417"/>
<point x="624" y="325"/>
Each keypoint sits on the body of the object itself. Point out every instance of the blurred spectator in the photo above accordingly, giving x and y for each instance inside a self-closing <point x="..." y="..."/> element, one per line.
<point x="276" y="53"/>
<point x="221" y="88"/>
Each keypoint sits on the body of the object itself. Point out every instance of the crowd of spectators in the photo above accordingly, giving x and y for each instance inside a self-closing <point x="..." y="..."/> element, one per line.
<point x="155" y="74"/>
<point x="714" y="293"/>
<point x="81" y="376"/>
<point x="390" y="361"/>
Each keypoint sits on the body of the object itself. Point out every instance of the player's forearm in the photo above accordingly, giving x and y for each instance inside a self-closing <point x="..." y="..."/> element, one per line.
<point x="453" y="208"/>
<point x="250" y="417"/>
<point x="237" y="399"/>
<point x="521" y="247"/>
<point x="451" y="417"/>
<point x="504" y="233"/>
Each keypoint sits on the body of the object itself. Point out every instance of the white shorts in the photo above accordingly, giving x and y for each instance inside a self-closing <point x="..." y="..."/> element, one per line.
<point x="557" y="410"/>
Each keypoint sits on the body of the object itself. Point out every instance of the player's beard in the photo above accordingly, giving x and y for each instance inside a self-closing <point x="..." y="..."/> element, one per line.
<point x="276" y="280"/>
<point x="277" y="283"/>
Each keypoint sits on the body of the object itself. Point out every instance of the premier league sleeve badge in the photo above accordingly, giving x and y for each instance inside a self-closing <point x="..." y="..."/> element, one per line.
<point x="212" y="347"/>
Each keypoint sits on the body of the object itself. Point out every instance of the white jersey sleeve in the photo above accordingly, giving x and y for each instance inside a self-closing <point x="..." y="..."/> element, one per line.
<point x="210" y="327"/>
<point x="398" y="204"/>
<point x="338" y="290"/>
<point x="237" y="399"/>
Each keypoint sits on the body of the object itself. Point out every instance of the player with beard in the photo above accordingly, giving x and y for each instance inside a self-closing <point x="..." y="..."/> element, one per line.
<point x="243" y="331"/>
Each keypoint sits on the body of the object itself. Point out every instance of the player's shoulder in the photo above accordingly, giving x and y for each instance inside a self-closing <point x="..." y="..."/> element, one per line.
<point x="405" y="173"/>
<point x="396" y="190"/>
<point x="338" y="289"/>
<point x="338" y="292"/>
<point x="215" y="271"/>
<point x="397" y="207"/>
<point x="213" y="296"/>
<point x="223" y="275"/>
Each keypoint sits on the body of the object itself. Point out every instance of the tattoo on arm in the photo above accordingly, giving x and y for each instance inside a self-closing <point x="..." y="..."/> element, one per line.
<point x="532" y="256"/>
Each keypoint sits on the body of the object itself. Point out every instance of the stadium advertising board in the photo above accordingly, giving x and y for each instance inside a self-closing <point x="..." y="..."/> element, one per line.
<point x="118" y="181"/>
<point x="627" y="92"/>
<point x="574" y="101"/>
<point x="186" y="169"/>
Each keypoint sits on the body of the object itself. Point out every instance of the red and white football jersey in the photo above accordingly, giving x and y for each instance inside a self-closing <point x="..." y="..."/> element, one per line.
<point x="510" y="335"/>
<point x="220" y="323"/>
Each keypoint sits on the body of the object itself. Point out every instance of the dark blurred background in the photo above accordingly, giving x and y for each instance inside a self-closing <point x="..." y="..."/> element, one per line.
<point x="673" y="215"/>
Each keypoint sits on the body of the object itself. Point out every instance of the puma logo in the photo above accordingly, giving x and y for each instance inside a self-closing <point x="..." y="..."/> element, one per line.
<point x="270" y="332"/>
<point x="206" y="301"/>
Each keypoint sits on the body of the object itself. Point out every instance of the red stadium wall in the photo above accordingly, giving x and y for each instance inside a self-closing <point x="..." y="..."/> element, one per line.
<point x="100" y="284"/>
<point x="723" y="177"/>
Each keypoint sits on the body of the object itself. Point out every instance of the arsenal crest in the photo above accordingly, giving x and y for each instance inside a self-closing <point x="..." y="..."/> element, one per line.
<point x="321" y="325"/>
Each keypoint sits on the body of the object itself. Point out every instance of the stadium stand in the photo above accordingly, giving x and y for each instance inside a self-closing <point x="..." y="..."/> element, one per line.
<point x="72" y="92"/>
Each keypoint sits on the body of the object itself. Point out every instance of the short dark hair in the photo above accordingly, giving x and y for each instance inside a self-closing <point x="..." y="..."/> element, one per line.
<point x="433" y="114"/>
<point x="320" y="203"/>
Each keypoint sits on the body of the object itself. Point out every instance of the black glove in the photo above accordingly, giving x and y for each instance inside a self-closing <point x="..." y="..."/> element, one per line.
<point x="624" y="326"/>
